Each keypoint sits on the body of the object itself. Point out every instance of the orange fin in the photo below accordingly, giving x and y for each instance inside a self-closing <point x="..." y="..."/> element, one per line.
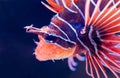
<point x="49" y="51"/>
<point x="53" y="6"/>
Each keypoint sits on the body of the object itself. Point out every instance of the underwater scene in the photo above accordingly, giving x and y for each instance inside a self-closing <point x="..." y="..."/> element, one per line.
<point x="59" y="39"/>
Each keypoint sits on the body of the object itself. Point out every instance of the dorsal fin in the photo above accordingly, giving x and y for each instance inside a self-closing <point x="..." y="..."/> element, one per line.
<point x="56" y="5"/>
<point x="53" y="6"/>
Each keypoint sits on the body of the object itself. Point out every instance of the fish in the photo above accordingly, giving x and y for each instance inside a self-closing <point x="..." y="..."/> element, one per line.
<point x="86" y="30"/>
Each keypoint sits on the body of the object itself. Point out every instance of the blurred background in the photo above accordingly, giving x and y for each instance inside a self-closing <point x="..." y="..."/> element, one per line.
<point x="17" y="46"/>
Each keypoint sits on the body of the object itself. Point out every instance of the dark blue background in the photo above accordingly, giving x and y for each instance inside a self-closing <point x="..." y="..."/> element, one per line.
<point x="17" y="46"/>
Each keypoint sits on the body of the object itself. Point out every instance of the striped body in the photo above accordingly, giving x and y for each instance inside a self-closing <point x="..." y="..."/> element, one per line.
<point x="82" y="29"/>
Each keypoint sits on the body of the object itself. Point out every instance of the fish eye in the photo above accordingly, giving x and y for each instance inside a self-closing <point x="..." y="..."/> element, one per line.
<point x="50" y="38"/>
<point x="57" y="40"/>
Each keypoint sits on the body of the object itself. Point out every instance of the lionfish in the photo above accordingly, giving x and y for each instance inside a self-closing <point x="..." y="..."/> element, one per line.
<point x="87" y="30"/>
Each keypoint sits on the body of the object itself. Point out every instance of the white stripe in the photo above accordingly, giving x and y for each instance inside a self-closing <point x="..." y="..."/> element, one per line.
<point x="108" y="4"/>
<point x="110" y="28"/>
<point x="111" y="61"/>
<point x="57" y="1"/>
<point x="59" y="37"/>
<point x="110" y="33"/>
<point x="110" y="10"/>
<point x="104" y="40"/>
<point x="38" y="31"/>
<point x="115" y="69"/>
<point x="84" y="46"/>
<point x="74" y="32"/>
<point x="98" y="35"/>
<point x="32" y="29"/>
<point x="114" y="2"/>
<point x="64" y="4"/>
<point x="67" y="24"/>
<point x="60" y="46"/>
<point x="108" y="66"/>
<point x="57" y="43"/>
<point x="87" y="9"/>
<point x="117" y="45"/>
<point x="91" y="40"/>
<point x="108" y="19"/>
<point x="118" y="61"/>
<point x="94" y="66"/>
<point x="109" y="50"/>
<point x="60" y="30"/>
<point x="78" y="9"/>
<point x="87" y="67"/>
<point x="50" y="8"/>
<point x="101" y="67"/>
<point x="91" y="67"/>
<point x="95" y="11"/>
<point x="93" y="2"/>
<point x="112" y="22"/>
<point x="114" y="54"/>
